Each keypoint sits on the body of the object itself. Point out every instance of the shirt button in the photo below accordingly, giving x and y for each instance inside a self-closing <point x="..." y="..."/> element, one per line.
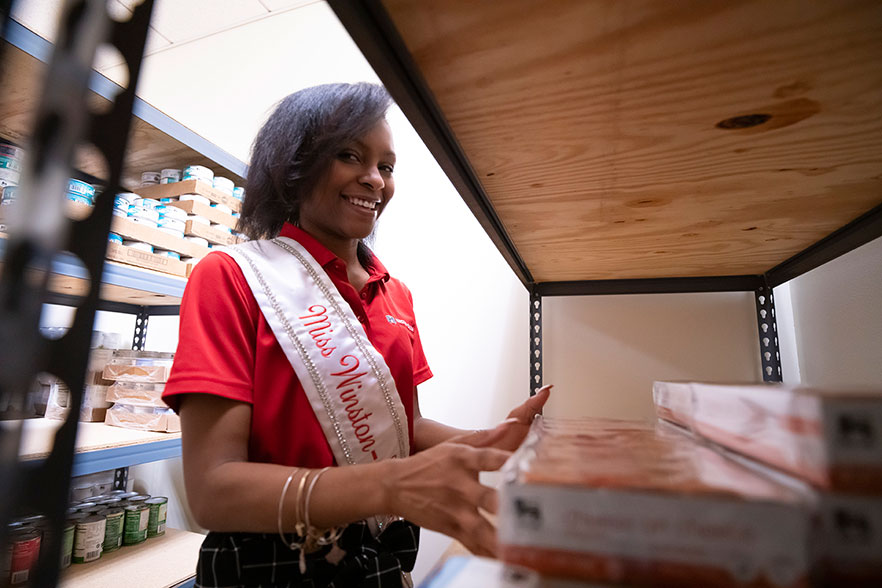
<point x="364" y="295"/>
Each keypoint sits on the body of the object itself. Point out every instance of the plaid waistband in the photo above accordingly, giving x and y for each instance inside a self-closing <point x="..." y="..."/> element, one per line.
<point x="356" y="560"/>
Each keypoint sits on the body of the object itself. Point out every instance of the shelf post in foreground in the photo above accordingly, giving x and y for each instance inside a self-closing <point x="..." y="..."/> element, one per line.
<point x="535" y="341"/>
<point x="767" y="324"/>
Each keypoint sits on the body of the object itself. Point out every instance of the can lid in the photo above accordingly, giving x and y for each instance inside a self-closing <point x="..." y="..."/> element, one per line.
<point x="85" y="505"/>
<point x="135" y="507"/>
<point x="76" y="517"/>
<point x="91" y="518"/>
<point x="158" y="500"/>
<point x="113" y="511"/>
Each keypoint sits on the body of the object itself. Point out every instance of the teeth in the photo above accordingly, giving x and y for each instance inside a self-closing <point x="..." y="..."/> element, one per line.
<point x="363" y="203"/>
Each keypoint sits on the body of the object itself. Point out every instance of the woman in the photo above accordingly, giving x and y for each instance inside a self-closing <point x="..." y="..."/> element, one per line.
<point x="297" y="352"/>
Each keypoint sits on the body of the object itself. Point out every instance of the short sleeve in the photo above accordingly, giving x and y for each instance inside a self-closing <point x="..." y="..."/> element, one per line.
<point x="217" y="336"/>
<point x="421" y="370"/>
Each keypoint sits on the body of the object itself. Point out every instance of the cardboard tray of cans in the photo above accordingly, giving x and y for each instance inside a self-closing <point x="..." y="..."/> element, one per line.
<point x="136" y="257"/>
<point x="157" y="238"/>
<point x="144" y="418"/>
<point x="210" y="234"/>
<point x="831" y="438"/>
<point x="136" y="393"/>
<point x="138" y="366"/>
<point x="623" y="502"/>
<point x="190" y="187"/>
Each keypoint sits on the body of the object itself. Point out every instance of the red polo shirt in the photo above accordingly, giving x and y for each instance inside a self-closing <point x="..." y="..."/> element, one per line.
<point x="227" y="348"/>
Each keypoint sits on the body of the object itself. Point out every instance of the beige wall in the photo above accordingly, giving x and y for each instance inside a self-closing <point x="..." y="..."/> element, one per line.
<point x="603" y="352"/>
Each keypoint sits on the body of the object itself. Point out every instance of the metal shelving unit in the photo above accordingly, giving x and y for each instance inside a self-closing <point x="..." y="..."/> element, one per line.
<point x="467" y="76"/>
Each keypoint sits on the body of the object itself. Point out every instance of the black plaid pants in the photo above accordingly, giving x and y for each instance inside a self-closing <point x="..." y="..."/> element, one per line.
<point x="262" y="560"/>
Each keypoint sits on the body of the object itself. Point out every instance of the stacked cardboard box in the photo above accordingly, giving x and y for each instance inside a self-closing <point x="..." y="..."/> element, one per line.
<point x="625" y="502"/>
<point x="830" y="439"/>
<point x="138" y="381"/>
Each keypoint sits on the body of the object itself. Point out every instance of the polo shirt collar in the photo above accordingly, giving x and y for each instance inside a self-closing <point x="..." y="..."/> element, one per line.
<point x="324" y="256"/>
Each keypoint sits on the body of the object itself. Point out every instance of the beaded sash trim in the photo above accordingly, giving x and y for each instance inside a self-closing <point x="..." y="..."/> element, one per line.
<point x="346" y="380"/>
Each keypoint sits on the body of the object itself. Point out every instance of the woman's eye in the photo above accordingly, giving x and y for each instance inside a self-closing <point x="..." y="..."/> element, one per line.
<point x="348" y="156"/>
<point x="386" y="168"/>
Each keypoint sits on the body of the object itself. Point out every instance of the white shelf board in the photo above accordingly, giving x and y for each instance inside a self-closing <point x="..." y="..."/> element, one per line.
<point x="159" y="562"/>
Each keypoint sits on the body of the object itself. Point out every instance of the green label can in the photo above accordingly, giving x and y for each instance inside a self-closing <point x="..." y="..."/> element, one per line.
<point x="113" y="531"/>
<point x="67" y="543"/>
<point x="135" y="530"/>
<point x="158" y="511"/>
<point x="88" y="538"/>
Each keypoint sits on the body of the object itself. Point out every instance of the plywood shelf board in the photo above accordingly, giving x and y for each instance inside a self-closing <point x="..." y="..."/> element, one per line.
<point x="156" y="141"/>
<point x="159" y="562"/>
<point x="591" y="126"/>
<point x="38" y="436"/>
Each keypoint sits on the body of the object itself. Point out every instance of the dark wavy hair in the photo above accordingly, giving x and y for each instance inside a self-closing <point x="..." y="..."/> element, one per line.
<point x="296" y="146"/>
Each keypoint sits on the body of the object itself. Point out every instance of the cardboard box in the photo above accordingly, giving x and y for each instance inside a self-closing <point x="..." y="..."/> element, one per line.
<point x="189" y="187"/>
<point x="212" y="214"/>
<point x="213" y="235"/>
<point x="162" y="421"/>
<point x="157" y="238"/>
<point x="830" y="438"/>
<point x="622" y="502"/>
<point x="136" y="394"/>
<point x="136" y="257"/>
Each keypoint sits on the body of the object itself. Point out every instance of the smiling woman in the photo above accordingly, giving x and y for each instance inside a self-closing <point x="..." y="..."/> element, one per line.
<point x="297" y="369"/>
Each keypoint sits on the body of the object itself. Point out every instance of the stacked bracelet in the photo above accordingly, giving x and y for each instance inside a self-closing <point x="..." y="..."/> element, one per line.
<point x="310" y="537"/>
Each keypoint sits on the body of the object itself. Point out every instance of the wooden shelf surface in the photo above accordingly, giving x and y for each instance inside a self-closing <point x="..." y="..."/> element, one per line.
<point x="592" y="127"/>
<point x="156" y="141"/>
<point x="39" y="434"/>
<point x="159" y="562"/>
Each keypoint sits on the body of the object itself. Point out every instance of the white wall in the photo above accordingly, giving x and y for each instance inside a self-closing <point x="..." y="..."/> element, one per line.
<point x="838" y="326"/>
<point x="603" y="352"/>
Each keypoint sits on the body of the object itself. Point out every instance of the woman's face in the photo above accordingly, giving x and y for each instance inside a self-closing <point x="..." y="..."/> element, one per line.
<point x="347" y="201"/>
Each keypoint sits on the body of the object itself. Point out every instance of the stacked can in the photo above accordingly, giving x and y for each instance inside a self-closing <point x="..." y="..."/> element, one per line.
<point x="172" y="220"/>
<point x="122" y="202"/>
<point x="225" y="185"/>
<point x="150" y="178"/>
<point x="239" y="193"/>
<point x="10" y="165"/>
<point x="80" y="192"/>
<point x="198" y="172"/>
<point x="169" y="176"/>
<point x="23" y="551"/>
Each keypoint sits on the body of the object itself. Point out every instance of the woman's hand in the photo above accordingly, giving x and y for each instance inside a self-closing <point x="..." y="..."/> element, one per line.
<point x="510" y="433"/>
<point x="439" y="489"/>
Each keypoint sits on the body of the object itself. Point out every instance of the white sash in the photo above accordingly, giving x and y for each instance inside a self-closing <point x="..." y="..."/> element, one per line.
<point x="345" y="379"/>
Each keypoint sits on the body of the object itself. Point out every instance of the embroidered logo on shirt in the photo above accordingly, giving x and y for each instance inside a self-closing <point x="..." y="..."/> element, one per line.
<point x="394" y="320"/>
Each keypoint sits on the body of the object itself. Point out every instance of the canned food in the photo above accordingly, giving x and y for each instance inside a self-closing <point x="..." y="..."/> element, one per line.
<point x="169" y="176"/>
<point x="10" y="163"/>
<point x="198" y="241"/>
<point x="93" y="509"/>
<point x="142" y="221"/>
<point x="199" y="219"/>
<point x="171" y="212"/>
<point x="113" y="531"/>
<point x="150" y="203"/>
<point x="88" y="538"/>
<point x="114" y="238"/>
<point x="12" y="151"/>
<point x="9" y="194"/>
<point x="167" y="253"/>
<point x="67" y="543"/>
<point x="144" y="213"/>
<point x="140" y="246"/>
<point x="9" y="177"/>
<point x="195" y="198"/>
<point x="110" y="500"/>
<point x="82" y="188"/>
<point x="79" y="199"/>
<point x="125" y="495"/>
<point x="239" y="193"/>
<point x="158" y="511"/>
<point x="85" y="504"/>
<point x="222" y="228"/>
<point x="137" y="518"/>
<point x="198" y="172"/>
<point x="24" y="551"/>
<point x="150" y="177"/>
<point x="173" y="232"/>
<point x="225" y="185"/>
<point x="172" y="223"/>
<point x="137" y="498"/>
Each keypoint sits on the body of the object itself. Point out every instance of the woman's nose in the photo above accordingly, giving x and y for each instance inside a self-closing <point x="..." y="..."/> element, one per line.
<point x="372" y="179"/>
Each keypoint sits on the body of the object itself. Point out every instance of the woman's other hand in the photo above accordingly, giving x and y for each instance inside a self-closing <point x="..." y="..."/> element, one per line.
<point x="439" y="489"/>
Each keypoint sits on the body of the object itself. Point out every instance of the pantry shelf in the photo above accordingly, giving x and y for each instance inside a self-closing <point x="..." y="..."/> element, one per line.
<point x="99" y="447"/>
<point x="165" y="561"/>
<point x="156" y="141"/>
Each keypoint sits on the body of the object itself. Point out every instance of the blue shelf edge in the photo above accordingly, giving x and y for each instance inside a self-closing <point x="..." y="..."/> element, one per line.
<point x="39" y="48"/>
<point x="102" y="460"/>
